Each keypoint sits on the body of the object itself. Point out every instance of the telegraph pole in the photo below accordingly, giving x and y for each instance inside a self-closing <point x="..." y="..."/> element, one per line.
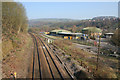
<point x="97" y="65"/>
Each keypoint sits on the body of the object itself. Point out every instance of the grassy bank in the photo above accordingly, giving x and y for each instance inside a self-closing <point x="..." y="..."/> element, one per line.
<point x="105" y="69"/>
<point x="18" y="55"/>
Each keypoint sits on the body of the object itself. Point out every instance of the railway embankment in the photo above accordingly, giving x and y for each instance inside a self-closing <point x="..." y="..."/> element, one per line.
<point x="16" y="56"/>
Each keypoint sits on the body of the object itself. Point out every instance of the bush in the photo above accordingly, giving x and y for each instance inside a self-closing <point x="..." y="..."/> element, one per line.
<point x="92" y="37"/>
<point x="116" y="37"/>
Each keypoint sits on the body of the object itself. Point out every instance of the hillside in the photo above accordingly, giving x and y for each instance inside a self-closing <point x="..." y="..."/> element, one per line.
<point x="52" y="20"/>
<point x="107" y="23"/>
<point x="48" y="21"/>
<point x="104" y="17"/>
<point x="16" y="42"/>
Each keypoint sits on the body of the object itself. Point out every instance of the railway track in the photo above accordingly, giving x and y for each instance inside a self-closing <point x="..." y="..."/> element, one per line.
<point x="45" y="63"/>
<point x="60" y="61"/>
<point x="36" y="63"/>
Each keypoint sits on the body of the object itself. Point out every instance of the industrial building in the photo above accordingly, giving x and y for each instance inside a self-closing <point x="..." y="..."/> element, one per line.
<point x="92" y="31"/>
<point x="86" y="33"/>
<point x="65" y="34"/>
<point x="56" y="31"/>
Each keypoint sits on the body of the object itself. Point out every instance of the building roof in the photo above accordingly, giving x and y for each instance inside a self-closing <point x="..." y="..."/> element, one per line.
<point x="70" y="33"/>
<point x="60" y="30"/>
<point x="109" y="33"/>
<point x="92" y="29"/>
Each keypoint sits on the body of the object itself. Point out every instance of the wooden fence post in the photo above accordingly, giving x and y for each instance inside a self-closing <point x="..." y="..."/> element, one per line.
<point x="81" y="63"/>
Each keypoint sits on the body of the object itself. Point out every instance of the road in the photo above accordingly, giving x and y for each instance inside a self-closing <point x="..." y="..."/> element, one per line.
<point x="94" y="49"/>
<point x="106" y="45"/>
<point x="85" y="47"/>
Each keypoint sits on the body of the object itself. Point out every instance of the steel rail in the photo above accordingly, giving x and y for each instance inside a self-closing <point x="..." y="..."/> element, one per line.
<point x="36" y="45"/>
<point x="52" y="59"/>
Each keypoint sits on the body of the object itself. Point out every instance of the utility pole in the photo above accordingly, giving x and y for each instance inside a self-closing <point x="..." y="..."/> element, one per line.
<point x="97" y="65"/>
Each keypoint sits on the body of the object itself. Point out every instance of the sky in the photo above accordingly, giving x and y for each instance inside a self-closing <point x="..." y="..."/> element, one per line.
<point x="64" y="0"/>
<point x="71" y="10"/>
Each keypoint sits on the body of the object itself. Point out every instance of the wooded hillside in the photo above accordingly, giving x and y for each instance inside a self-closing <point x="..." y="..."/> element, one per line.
<point x="106" y="23"/>
<point x="14" y="18"/>
<point x="14" y="26"/>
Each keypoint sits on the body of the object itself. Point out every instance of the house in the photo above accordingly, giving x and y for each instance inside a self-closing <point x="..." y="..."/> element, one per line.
<point x="108" y="35"/>
<point x="92" y="31"/>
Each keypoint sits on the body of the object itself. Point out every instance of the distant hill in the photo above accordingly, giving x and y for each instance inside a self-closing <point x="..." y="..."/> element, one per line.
<point x="52" y="20"/>
<point x="48" y="21"/>
<point x="104" y="18"/>
<point x="106" y="23"/>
